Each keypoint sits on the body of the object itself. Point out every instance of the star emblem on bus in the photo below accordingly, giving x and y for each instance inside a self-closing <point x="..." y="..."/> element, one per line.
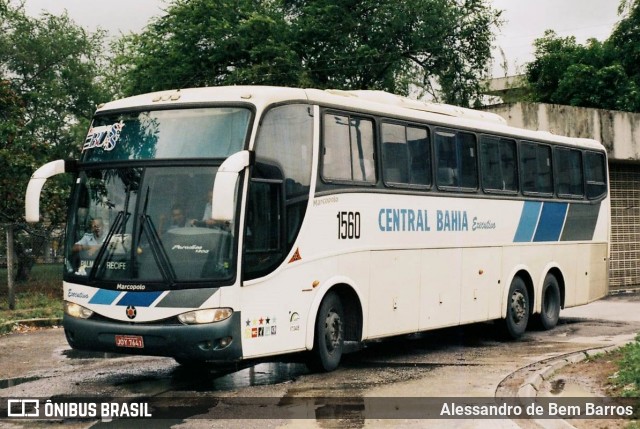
<point x="131" y="312"/>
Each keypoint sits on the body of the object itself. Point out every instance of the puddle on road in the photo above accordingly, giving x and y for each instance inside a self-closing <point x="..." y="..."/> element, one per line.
<point x="202" y="380"/>
<point x="259" y="375"/>
<point x="175" y="409"/>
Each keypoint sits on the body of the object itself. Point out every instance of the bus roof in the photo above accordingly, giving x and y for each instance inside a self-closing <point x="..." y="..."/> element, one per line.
<point x="374" y="102"/>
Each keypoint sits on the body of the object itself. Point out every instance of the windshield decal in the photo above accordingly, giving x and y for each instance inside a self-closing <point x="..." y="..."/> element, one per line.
<point x="105" y="136"/>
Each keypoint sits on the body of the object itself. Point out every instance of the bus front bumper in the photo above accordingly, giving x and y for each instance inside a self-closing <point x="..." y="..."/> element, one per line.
<point x="211" y="342"/>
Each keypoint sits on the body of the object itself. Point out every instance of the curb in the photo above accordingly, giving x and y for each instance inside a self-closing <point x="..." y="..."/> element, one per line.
<point x="531" y="386"/>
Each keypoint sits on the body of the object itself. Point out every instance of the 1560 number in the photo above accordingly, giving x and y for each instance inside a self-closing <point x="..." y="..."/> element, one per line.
<point x="348" y="225"/>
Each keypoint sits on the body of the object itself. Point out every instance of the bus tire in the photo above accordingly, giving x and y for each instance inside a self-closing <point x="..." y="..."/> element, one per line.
<point x="515" y="323"/>
<point x="550" y="311"/>
<point x="328" y="342"/>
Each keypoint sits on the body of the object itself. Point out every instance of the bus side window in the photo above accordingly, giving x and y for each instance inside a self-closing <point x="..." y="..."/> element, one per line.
<point x="348" y="149"/>
<point x="362" y="144"/>
<point x="468" y="163"/>
<point x="281" y="179"/>
<point x="569" y="172"/>
<point x="545" y="177"/>
<point x="394" y="154"/>
<point x="457" y="160"/>
<point x="596" y="176"/>
<point x="263" y="232"/>
<point x="446" y="159"/>
<point x="419" y="156"/>
<point x="406" y="155"/>
<point x="499" y="166"/>
<point x="535" y="166"/>
<point x="337" y="148"/>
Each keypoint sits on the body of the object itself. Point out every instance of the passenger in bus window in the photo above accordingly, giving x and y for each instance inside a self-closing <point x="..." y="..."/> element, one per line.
<point x="206" y="215"/>
<point x="207" y="207"/>
<point x="207" y="219"/>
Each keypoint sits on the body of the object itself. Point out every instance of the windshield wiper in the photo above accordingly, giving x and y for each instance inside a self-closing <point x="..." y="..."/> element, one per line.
<point x="159" y="254"/>
<point x="119" y="223"/>
<point x="157" y="249"/>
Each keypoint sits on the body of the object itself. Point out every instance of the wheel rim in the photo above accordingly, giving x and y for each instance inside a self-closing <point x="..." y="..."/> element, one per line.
<point x="333" y="331"/>
<point x="518" y="306"/>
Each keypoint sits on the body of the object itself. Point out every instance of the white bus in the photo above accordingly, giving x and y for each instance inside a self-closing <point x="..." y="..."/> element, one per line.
<point x="228" y="224"/>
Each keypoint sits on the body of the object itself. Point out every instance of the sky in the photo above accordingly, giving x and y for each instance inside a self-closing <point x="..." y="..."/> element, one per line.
<point x="525" y="20"/>
<point x="116" y="16"/>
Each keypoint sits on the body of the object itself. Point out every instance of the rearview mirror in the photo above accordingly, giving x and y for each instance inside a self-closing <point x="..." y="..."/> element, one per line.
<point x="38" y="179"/>
<point x="224" y="188"/>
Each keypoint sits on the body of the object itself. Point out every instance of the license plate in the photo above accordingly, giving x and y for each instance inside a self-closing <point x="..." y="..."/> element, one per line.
<point x="130" y="341"/>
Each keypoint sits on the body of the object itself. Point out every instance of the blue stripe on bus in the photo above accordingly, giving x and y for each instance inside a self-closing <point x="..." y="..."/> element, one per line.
<point x="551" y="222"/>
<point x="528" y="221"/>
<point x="140" y="299"/>
<point x="104" y="297"/>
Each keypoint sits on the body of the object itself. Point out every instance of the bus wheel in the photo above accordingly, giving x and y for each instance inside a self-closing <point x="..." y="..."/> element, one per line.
<point x="550" y="313"/>
<point x="517" y="309"/>
<point x="328" y="341"/>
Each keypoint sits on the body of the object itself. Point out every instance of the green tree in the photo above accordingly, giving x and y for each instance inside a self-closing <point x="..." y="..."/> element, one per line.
<point x="207" y="43"/>
<point x="608" y="87"/>
<point x="625" y="39"/>
<point x="442" y="46"/>
<point x="598" y="74"/>
<point x="48" y="88"/>
<point x="553" y="55"/>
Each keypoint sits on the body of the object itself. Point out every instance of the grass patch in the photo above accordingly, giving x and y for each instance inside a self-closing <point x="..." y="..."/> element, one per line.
<point x="627" y="378"/>
<point x="40" y="297"/>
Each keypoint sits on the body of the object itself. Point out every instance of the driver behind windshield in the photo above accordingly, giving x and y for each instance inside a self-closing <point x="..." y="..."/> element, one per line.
<point x="91" y="242"/>
<point x="178" y="219"/>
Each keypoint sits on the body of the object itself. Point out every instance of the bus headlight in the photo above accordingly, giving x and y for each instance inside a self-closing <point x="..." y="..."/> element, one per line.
<point x="208" y="315"/>
<point x="75" y="310"/>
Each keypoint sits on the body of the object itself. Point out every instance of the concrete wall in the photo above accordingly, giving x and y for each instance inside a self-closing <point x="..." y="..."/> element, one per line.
<point x="619" y="132"/>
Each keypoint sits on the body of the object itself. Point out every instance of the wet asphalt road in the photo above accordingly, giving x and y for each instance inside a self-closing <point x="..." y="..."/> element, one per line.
<point x="469" y="361"/>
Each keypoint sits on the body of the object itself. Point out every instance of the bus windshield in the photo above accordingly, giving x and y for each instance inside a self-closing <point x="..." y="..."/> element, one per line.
<point x="216" y="132"/>
<point x="149" y="224"/>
